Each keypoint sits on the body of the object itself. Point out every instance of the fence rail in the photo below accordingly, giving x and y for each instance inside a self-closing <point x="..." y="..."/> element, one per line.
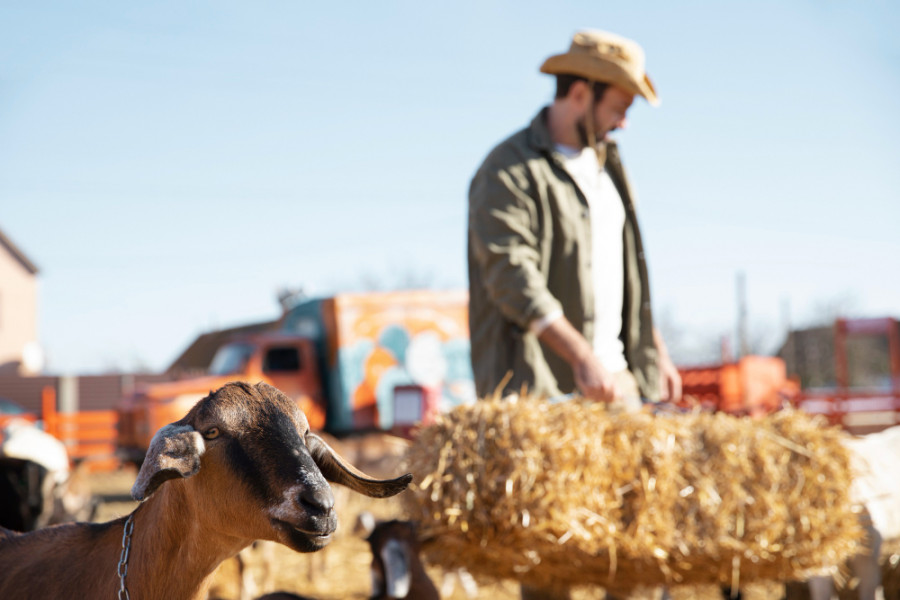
<point x="89" y="435"/>
<point x="858" y="411"/>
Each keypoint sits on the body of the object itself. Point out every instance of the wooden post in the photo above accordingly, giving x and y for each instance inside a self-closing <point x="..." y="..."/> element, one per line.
<point x="841" y="370"/>
<point x="894" y="352"/>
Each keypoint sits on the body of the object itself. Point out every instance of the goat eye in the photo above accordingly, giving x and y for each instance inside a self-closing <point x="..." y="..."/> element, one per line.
<point x="211" y="433"/>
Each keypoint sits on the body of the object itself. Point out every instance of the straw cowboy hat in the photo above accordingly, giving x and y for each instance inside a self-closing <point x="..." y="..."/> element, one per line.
<point x="605" y="57"/>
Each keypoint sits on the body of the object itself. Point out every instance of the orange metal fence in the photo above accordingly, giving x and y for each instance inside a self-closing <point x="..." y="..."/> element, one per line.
<point x="759" y="385"/>
<point x="754" y="385"/>
<point x="89" y="435"/>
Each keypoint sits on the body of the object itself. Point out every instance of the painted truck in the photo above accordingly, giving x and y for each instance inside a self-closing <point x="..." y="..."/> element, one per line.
<point x="352" y="362"/>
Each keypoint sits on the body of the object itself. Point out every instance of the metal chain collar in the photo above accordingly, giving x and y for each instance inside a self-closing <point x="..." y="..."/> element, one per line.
<point x="123" y="558"/>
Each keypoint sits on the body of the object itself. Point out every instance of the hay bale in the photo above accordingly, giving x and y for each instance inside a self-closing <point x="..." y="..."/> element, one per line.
<point x="570" y="493"/>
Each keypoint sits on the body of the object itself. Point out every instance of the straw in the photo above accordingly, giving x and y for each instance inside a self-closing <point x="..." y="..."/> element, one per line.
<point x="570" y="493"/>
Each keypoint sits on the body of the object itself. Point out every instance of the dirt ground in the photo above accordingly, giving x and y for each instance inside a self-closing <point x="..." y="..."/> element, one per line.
<point x="341" y="570"/>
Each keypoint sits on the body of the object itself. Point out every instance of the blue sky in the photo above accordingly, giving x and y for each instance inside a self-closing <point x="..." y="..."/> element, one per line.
<point x="169" y="166"/>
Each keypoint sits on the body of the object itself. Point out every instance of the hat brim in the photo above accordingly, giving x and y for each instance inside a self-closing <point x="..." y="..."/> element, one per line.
<point x="603" y="71"/>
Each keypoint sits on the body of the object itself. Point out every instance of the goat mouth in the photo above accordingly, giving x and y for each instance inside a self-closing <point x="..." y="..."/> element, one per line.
<point x="303" y="539"/>
<point x="314" y="535"/>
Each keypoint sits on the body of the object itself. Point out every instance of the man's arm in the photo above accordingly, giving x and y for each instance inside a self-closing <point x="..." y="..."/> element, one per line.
<point x="505" y="237"/>
<point x="669" y="377"/>
<point x="591" y="377"/>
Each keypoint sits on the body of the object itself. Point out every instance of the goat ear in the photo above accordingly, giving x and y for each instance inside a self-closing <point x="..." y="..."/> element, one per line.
<point x="365" y="524"/>
<point x="337" y="470"/>
<point x="175" y="451"/>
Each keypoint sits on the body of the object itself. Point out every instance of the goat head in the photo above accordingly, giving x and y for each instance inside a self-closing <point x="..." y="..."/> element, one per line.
<point x="255" y="438"/>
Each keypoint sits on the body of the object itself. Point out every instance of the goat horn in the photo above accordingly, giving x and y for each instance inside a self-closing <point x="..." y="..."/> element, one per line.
<point x="337" y="470"/>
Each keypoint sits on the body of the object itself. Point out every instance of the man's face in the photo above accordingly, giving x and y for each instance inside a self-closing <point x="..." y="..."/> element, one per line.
<point x="609" y="113"/>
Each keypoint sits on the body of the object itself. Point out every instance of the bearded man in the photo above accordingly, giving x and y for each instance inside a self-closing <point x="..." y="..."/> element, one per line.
<point x="559" y="296"/>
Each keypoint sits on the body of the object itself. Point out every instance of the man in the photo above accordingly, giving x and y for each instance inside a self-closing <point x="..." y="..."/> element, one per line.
<point x="559" y="297"/>
<point x="559" y="292"/>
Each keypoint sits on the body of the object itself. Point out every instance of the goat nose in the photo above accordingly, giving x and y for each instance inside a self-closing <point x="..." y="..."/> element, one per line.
<point x="318" y="499"/>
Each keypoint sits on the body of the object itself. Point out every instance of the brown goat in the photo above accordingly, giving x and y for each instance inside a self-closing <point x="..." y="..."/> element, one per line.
<point x="242" y="465"/>
<point x="397" y="570"/>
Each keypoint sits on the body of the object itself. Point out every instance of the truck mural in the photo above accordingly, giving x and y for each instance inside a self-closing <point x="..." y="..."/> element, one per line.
<point x="374" y="343"/>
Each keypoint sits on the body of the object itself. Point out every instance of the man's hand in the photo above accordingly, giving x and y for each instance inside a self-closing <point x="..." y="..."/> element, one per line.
<point x="669" y="377"/>
<point x="592" y="379"/>
<point x="669" y="381"/>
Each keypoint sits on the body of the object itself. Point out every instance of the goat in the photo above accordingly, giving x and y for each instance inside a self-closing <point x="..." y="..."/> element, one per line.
<point x="396" y="549"/>
<point x="874" y="458"/>
<point x="23" y="494"/>
<point x="876" y="489"/>
<point x="241" y="465"/>
<point x="258" y="556"/>
<point x="397" y="571"/>
<point x="36" y="486"/>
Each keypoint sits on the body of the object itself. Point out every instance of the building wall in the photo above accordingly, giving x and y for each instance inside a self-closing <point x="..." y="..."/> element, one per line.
<point x="18" y="311"/>
<point x="809" y="354"/>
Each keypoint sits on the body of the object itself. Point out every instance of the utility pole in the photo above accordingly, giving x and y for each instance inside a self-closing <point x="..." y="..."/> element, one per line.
<point x="742" y="349"/>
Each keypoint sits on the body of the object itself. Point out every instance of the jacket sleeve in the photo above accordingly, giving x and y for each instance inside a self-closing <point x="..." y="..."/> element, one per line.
<point x="505" y="230"/>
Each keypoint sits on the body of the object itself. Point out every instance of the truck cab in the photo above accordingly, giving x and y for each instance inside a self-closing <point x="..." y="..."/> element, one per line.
<point x="286" y="362"/>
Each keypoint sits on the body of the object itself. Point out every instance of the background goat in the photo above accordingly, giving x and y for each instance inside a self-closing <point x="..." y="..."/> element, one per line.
<point x="876" y="486"/>
<point x="37" y="488"/>
<point x="242" y="465"/>
<point x="397" y="570"/>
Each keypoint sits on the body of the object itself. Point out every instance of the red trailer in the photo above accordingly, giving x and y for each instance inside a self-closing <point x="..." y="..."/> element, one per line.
<point x="858" y="410"/>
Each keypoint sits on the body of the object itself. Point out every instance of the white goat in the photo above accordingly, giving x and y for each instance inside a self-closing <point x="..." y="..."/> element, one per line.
<point x="37" y="488"/>
<point x="875" y="460"/>
<point x="242" y="465"/>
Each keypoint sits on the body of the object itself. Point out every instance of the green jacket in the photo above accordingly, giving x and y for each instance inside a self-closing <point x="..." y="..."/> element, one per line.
<point x="529" y="254"/>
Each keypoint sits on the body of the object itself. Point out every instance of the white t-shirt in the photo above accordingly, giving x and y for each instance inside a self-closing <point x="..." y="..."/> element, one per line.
<point x="607" y="224"/>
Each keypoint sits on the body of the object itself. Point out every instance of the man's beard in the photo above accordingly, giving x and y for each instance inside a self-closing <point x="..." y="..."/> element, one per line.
<point x="581" y="129"/>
